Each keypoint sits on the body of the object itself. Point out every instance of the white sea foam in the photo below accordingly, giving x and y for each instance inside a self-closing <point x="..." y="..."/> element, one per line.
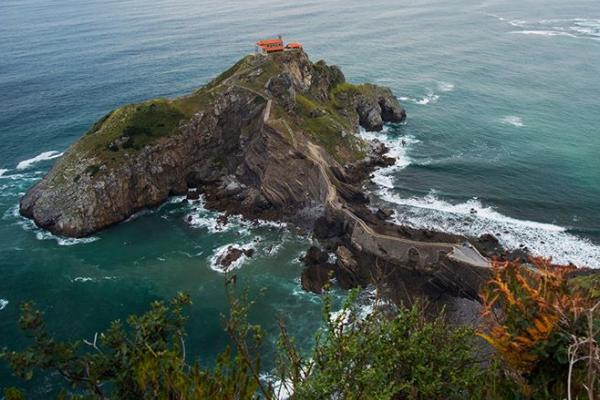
<point x="517" y="22"/>
<point x="298" y="258"/>
<point x="472" y="218"/>
<point x="272" y="249"/>
<point x="587" y="27"/>
<point x="3" y="171"/>
<point x="428" y="99"/>
<point x="42" y="234"/>
<point x="200" y="217"/>
<point x="172" y="200"/>
<point x="299" y="292"/>
<point x="25" y="177"/>
<point x="211" y="222"/>
<point x="579" y="28"/>
<point x="544" y="33"/>
<point x="63" y="241"/>
<point x="221" y="251"/>
<point x="513" y="120"/>
<point x="47" y="155"/>
<point x="332" y="258"/>
<point x="385" y="176"/>
<point x="3" y="304"/>
<point x="83" y="279"/>
<point x="445" y="86"/>
<point x="366" y="302"/>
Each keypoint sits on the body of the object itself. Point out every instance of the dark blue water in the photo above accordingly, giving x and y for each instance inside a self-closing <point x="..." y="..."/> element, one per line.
<point x="502" y="136"/>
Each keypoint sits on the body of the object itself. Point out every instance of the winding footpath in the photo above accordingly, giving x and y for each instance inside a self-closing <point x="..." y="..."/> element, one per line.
<point x="401" y="249"/>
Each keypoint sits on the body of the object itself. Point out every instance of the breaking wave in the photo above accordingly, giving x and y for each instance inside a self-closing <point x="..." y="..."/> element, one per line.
<point x="3" y="171"/>
<point x="42" y="234"/>
<point x="83" y="279"/>
<point x="513" y="120"/>
<point x="579" y="28"/>
<point x="473" y="218"/>
<point x="63" y="241"/>
<point x="430" y="96"/>
<point x="544" y="33"/>
<point x="214" y="222"/>
<point x="398" y="147"/>
<point x="3" y="304"/>
<point x="47" y="155"/>
<point x="221" y="251"/>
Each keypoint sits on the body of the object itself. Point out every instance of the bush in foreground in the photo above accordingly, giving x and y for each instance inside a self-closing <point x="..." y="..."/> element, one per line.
<point x="545" y="328"/>
<point x="542" y="323"/>
<point x="375" y="357"/>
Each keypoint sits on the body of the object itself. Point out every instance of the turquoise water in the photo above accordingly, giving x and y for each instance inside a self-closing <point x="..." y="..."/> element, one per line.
<point x="502" y="137"/>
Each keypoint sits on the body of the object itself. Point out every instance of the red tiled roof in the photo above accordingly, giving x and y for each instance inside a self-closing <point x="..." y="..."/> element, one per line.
<point x="270" y="41"/>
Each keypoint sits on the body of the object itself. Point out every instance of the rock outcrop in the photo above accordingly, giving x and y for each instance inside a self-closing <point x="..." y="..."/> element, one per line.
<point x="243" y="141"/>
<point x="273" y="137"/>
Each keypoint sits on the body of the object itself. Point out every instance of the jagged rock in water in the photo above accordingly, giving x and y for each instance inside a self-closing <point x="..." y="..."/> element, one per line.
<point x="231" y="256"/>
<point x="316" y="276"/>
<point x="384" y="213"/>
<point x="314" y="256"/>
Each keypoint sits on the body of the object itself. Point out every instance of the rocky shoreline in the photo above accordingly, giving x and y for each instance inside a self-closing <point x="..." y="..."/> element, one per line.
<point x="275" y="138"/>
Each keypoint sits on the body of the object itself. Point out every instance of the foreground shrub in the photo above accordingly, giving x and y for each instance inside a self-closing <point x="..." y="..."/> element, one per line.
<point x="544" y="327"/>
<point x="375" y="356"/>
<point x="357" y="355"/>
<point x="146" y="360"/>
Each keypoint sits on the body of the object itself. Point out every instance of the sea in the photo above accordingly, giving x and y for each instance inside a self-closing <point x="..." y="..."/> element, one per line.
<point x="502" y="137"/>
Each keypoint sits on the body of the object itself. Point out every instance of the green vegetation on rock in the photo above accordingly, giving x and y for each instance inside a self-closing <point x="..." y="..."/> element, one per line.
<point x="131" y="127"/>
<point x="328" y="128"/>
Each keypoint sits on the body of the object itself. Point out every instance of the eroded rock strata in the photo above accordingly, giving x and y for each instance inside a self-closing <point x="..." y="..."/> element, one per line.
<point x="243" y="140"/>
<point x="274" y="137"/>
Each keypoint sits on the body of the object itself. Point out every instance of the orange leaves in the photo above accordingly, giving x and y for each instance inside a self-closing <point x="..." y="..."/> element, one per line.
<point x="523" y="305"/>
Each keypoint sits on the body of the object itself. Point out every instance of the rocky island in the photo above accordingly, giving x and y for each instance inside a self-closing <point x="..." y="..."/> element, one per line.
<point x="274" y="137"/>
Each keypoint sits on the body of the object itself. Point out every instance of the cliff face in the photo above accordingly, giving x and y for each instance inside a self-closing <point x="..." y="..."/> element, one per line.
<point x="249" y="140"/>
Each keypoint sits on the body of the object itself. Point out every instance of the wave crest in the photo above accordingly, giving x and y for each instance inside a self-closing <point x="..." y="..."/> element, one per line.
<point x="45" y="156"/>
<point x="513" y="120"/>
<point x="473" y="218"/>
<point x="579" y="28"/>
